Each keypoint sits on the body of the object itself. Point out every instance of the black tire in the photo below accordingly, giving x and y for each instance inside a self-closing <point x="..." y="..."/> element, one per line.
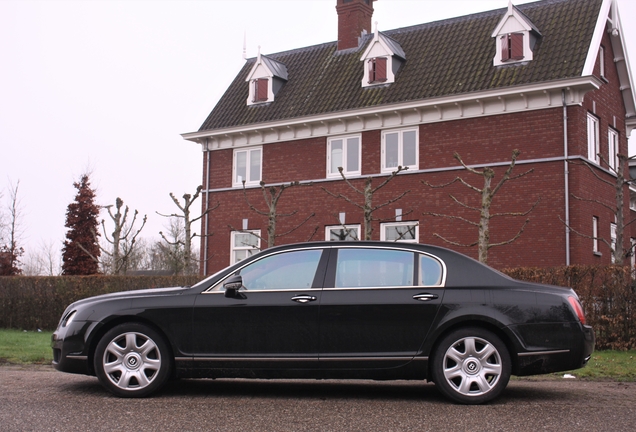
<point x="132" y="360"/>
<point x="471" y="366"/>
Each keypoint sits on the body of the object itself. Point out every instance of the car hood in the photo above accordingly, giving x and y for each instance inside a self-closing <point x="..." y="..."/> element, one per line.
<point x="152" y="292"/>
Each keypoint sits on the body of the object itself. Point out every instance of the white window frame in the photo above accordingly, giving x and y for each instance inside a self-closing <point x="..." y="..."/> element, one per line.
<point x="249" y="248"/>
<point x="329" y="228"/>
<point x="400" y="133"/>
<point x="385" y="226"/>
<point x="345" y="143"/>
<point x="613" y="241"/>
<point x="250" y="153"/>
<point x="612" y="149"/>
<point x="595" y="234"/>
<point x="601" y="61"/>
<point x="593" y="147"/>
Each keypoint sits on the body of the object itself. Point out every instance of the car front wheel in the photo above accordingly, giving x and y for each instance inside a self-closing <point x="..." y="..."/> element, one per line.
<point x="471" y="366"/>
<point x="132" y="360"/>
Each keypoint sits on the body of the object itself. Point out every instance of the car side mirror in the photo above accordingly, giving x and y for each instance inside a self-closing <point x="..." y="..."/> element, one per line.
<point x="232" y="285"/>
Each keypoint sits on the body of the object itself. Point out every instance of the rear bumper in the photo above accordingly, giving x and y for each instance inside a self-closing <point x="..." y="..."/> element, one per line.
<point x="573" y="357"/>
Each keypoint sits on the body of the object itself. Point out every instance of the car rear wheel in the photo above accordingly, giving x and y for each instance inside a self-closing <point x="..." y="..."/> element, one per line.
<point x="132" y="360"/>
<point x="471" y="366"/>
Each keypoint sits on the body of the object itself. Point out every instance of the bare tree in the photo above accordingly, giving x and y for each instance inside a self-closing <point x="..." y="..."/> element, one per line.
<point x="271" y="196"/>
<point x="45" y="261"/>
<point x="367" y="193"/>
<point x="487" y="192"/>
<point x="180" y="245"/>
<point x="122" y="239"/>
<point x="618" y="249"/>
<point x="10" y="251"/>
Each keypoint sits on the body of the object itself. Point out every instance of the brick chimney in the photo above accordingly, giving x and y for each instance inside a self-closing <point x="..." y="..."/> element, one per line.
<point x="354" y="16"/>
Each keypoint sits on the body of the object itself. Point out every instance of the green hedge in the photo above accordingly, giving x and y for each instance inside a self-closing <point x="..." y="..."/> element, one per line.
<point x="38" y="302"/>
<point x="608" y="294"/>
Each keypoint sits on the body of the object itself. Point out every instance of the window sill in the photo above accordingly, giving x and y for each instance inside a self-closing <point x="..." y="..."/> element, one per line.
<point x="597" y="253"/>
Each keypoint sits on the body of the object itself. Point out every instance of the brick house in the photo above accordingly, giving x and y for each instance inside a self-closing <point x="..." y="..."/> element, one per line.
<point x="549" y="78"/>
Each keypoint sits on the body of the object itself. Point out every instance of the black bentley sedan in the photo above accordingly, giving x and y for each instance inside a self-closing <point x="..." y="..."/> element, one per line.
<point x="369" y="310"/>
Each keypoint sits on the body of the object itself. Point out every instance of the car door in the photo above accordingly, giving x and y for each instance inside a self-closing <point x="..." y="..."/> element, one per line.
<point x="271" y="322"/>
<point x="377" y="306"/>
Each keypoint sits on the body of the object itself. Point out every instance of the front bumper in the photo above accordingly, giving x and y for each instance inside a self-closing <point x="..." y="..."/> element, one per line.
<point x="71" y="350"/>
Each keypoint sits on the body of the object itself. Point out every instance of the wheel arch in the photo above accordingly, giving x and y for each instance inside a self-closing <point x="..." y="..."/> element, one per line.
<point x="125" y="319"/>
<point x="502" y="332"/>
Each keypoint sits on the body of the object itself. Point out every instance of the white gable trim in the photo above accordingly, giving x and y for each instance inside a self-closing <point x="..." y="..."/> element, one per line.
<point x="505" y="26"/>
<point x="609" y="14"/>
<point x="599" y="30"/>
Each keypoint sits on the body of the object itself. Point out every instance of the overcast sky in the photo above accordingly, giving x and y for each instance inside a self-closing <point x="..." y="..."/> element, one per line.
<point x="109" y="86"/>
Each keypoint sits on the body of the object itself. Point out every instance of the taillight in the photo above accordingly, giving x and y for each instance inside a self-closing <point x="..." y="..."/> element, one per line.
<point x="577" y="308"/>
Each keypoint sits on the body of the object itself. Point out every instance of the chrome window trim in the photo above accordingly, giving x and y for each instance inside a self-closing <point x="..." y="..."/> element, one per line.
<point x="270" y="290"/>
<point x="340" y="246"/>
<point x="312" y="359"/>
<point x="413" y="287"/>
<point x="533" y="353"/>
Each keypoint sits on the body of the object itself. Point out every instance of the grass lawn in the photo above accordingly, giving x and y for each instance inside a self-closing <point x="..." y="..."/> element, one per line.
<point x="19" y="347"/>
<point x="609" y="365"/>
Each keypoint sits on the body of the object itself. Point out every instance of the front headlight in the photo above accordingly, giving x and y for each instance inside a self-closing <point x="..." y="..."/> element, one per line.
<point x="69" y="318"/>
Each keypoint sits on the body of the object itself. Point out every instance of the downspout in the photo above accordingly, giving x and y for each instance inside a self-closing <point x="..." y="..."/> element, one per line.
<point x="207" y="206"/>
<point x="566" y="176"/>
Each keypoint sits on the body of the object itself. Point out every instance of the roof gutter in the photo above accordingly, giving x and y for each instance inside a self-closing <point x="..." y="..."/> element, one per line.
<point x="577" y="87"/>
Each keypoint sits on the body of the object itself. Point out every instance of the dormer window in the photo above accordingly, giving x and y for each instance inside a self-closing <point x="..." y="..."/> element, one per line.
<point x="265" y="79"/>
<point x="515" y="37"/>
<point x="377" y="70"/>
<point x="382" y="59"/>
<point x="512" y="47"/>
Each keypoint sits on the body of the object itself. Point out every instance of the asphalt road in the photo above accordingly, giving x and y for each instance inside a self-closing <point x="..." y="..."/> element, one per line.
<point x="38" y="398"/>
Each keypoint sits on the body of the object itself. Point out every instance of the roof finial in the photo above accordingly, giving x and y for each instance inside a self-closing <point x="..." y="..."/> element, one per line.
<point x="510" y="6"/>
<point x="244" y="45"/>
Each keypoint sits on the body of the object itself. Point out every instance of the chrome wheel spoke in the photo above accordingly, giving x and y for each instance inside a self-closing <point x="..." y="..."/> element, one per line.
<point x="114" y="367"/>
<point x="487" y="352"/>
<point x="482" y="383"/>
<point x="151" y="364"/>
<point x="470" y="349"/>
<point x="455" y="355"/>
<point x="114" y="349"/>
<point x="147" y="347"/>
<point x="453" y="372"/>
<point x="131" y="341"/>
<point x="464" y="387"/>
<point x="491" y="369"/>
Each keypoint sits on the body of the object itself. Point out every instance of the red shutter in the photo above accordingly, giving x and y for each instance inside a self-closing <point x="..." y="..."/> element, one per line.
<point x="371" y="70"/>
<point x="505" y="51"/>
<point x="260" y="90"/>
<point x="380" y="69"/>
<point x="516" y="43"/>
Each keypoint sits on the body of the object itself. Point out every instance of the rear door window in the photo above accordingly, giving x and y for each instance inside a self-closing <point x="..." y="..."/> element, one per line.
<point x="362" y="268"/>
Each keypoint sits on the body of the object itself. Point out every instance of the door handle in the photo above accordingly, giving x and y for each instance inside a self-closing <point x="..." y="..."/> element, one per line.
<point x="425" y="297"/>
<point x="304" y="298"/>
